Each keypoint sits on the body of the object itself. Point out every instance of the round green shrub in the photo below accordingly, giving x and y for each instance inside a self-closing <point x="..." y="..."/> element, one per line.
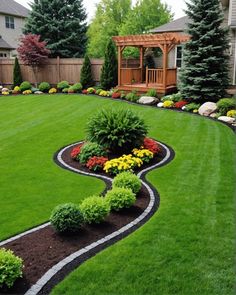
<point x="62" y="85"/>
<point x="44" y="87"/>
<point x="66" y="218"/>
<point x="117" y="130"/>
<point x="25" y="86"/>
<point x="127" y="180"/>
<point x="95" y="209"/>
<point x="89" y="150"/>
<point x="65" y="90"/>
<point x="10" y="268"/>
<point x="77" y="87"/>
<point x="226" y="104"/>
<point x="120" y="197"/>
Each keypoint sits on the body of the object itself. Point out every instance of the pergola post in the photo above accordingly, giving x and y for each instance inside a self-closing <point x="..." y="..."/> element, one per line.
<point x="119" y="65"/>
<point x="165" y="65"/>
<point x="141" y="62"/>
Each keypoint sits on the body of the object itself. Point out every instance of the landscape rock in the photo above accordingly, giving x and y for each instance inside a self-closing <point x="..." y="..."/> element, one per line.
<point x="213" y="115"/>
<point x="226" y="119"/>
<point x="160" y="104"/>
<point x="38" y="92"/>
<point x="5" y="89"/>
<point x="207" y="108"/>
<point x="147" y="100"/>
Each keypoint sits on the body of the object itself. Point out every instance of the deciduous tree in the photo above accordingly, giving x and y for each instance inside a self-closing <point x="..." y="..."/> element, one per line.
<point x="33" y="52"/>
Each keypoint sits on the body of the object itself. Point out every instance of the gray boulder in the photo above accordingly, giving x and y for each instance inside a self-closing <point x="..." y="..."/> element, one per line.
<point x="207" y="108"/>
<point x="147" y="100"/>
<point x="38" y="92"/>
<point x="226" y="119"/>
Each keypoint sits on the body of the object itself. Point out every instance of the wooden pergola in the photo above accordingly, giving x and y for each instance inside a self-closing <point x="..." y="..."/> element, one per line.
<point x="162" y="79"/>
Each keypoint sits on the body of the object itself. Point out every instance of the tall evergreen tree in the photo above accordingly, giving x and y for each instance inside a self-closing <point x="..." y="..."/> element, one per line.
<point x="204" y="74"/>
<point x="17" y="77"/>
<point x="61" y="23"/>
<point x="86" y="77"/>
<point x="109" y="69"/>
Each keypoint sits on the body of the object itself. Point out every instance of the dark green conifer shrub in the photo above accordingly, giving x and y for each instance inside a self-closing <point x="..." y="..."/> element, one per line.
<point x="86" y="77"/>
<point x="17" y="77"/>
<point x="109" y="73"/>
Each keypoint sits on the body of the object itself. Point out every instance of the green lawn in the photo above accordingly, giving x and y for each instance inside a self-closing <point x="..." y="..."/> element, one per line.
<point x="188" y="245"/>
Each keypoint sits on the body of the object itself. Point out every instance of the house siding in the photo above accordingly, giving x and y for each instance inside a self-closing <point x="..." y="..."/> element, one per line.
<point x="232" y="19"/>
<point x="11" y="36"/>
<point x="232" y="40"/>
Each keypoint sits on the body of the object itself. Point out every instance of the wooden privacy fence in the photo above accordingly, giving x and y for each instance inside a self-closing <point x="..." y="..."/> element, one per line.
<point x="56" y="69"/>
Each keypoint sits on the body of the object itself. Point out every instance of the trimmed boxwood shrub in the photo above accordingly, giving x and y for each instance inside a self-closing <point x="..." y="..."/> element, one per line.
<point x="127" y="180"/>
<point x="62" y="85"/>
<point x="44" y="87"/>
<point x="10" y="268"/>
<point x="89" y="150"/>
<point x="120" y="197"/>
<point x="25" y="86"/>
<point x="117" y="130"/>
<point x="77" y="87"/>
<point x="66" y="218"/>
<point x="95" y="209"/>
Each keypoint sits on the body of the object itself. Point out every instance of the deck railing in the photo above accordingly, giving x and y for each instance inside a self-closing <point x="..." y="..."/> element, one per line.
<point x="156" y="76"/>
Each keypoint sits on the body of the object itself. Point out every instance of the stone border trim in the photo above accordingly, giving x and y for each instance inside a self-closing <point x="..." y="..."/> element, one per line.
<point x="97" y="246"/>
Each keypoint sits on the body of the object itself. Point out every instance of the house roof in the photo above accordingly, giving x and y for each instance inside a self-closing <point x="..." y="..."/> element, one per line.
<point x="178" y="25"/>
<point x="4" y="44"/>
<point x="11" y="7"/>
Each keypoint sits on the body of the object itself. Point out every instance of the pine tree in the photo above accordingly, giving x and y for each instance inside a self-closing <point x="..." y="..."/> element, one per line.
<point x="61" y="23"/>
<point x="17" y="77"/>
<point x="86" y="78"/>
<point x="204" y="75"/>
<point x="109" y="69"/>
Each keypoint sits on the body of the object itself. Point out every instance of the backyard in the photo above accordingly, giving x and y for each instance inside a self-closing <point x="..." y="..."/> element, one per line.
<point x="187" y="247"/>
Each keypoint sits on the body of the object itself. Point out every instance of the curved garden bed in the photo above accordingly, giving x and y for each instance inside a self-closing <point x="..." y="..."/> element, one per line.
<point x="48" y="262"/>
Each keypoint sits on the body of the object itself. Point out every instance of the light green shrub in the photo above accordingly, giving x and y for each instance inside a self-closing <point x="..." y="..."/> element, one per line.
<point x="120" y="198"/>
<point x="10" y="268"/>
<point x="95" y="209"/>
<point x="127" y="180"/>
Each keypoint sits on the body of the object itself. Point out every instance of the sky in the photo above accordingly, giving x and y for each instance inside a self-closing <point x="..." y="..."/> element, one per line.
<point x="177" y="6"/>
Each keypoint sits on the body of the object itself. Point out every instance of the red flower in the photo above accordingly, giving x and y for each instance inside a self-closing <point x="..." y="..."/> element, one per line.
<point x="85" y="91"/>
<point x="96" y="163"/>
<point x="180" y="104"/>
<point x="76" y="151"/>
<point x="151" y="145"/>
<point x="116" y="95"/>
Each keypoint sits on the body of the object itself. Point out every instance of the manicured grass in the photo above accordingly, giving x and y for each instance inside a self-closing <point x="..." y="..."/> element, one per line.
<point x="188" y="245"/>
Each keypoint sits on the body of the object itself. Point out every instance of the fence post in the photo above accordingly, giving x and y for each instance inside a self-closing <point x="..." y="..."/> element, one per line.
<point x="58" y="69"/>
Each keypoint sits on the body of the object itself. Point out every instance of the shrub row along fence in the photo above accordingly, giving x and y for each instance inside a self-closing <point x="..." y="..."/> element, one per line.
<point x="56" y="69"/>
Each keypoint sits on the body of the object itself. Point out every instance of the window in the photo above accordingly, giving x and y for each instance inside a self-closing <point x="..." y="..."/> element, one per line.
<point x="3" y="55"/>
<point x="10" y="22"/>
<point x="179" y="56"/>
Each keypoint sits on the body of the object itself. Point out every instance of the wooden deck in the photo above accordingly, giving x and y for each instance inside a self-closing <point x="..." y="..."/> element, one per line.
<point x="143" y="88"/>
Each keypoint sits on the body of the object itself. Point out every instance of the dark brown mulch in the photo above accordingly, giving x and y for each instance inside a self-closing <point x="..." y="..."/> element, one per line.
<point x="43" y="249"/>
